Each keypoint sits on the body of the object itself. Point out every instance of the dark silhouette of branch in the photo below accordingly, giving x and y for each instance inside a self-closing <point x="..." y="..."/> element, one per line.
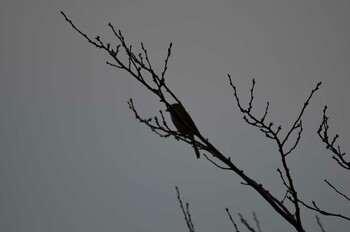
<point x="335" y="189"/>
<point x="186" y="212"/>
<point x="319" y="223"/>
<point x="139" y="66"/>
<point x="297" y="122"/>
<point x="256" y="221"/>
<point x="282" y="178"/>
<point x="245" y="222"/>
<point x="217" y="165"/>
<point x="233" y="222"/>
<point x="315" y="208"/>
<point x="330" y="145"/>
<point x="273" y="133"/>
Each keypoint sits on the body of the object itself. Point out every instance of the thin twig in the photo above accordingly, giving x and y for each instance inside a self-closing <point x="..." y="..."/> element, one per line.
<point x="245" y="222"/>
<point x="186" y="212"/>
<point x="319" y="223"/>
<point x="335" y="189"/>
<point x="233" y="222"/>
<point x="210" y="160"/>
<point x="256" y="221"/>
<point x="317" y="209"/>
<point x="323" y="134"/>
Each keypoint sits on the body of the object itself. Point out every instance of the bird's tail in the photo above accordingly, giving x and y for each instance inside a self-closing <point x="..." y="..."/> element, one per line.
<point x="195" y="147"/>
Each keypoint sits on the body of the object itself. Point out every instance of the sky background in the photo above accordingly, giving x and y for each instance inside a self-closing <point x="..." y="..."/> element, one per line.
<point x="73" y="157"/>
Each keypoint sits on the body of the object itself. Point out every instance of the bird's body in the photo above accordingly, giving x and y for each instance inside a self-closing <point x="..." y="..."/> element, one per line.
<point x="184" y="124"/>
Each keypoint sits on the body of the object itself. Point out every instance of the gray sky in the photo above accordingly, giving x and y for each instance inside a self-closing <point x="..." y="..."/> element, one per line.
<point x="73" y="158"/>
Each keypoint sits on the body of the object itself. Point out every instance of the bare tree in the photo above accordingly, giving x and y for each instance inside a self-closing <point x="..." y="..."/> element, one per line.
<point x="139" y="66"/>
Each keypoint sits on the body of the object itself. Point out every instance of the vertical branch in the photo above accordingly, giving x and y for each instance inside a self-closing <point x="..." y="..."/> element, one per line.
<point x="256" y="222"/>
<point x="186" y="212"/>
<point x="330" y="145"/>
<point x="272" y="133"/>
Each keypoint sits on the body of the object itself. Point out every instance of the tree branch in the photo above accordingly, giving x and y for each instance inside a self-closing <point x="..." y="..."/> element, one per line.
<point x="317" y="209"/>
<point x="330" y="145"/>
<point x="233" y="222"/>
<point x="186" y="212"/>
<point x="272" y="133"/>
<point x="335" y="189"/>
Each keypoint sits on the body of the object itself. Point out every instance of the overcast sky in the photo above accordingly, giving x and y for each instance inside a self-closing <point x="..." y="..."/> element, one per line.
<point x="74" y="158"/>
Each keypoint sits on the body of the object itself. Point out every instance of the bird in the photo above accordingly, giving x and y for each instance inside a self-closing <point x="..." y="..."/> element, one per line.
<point x="184" y="124"/>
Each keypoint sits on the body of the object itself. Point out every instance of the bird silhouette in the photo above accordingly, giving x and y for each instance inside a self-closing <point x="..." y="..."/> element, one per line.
<point x="184" y="124"/>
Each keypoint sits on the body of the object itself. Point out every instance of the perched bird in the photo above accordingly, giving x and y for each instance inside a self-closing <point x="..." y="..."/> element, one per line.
<point x="184" y="124"/>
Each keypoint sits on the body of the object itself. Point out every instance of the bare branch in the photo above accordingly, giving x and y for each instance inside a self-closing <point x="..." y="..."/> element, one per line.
<point x="315" y="208"/>
<point x="156" y="128"/>
<point x="245" y="222"/>
<point x="340" y="193"/>
<point x="234" y="224"/>
<point x="210" y="160"/>
<point x="319" y="223"/>
<point x="80" y="32"/>
<point x="139" y="67"/>
<point x="272" y="133"/>
<point x="323" y="134"/>
<point x="251" y="96"/>
<point x="266" y="110"/>
<point x="296" y="122"/>
<point x="186" y="212"/>
<point x="284" y="182"/>
<point x="300" y="126"/>
<point x="256" y="221"/>
<point x="166" y="61"/>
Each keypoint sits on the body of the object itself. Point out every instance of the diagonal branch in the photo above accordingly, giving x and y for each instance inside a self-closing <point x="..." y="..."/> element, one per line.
<point x="297" y="121"/>
<point x="233" y="222"/>
<point x="245" y="222"/>
<point x="319" y="223"/>
<point x="139" y="67"/>
<point x="185" y="212"/>
<point x="335" y="189"/>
